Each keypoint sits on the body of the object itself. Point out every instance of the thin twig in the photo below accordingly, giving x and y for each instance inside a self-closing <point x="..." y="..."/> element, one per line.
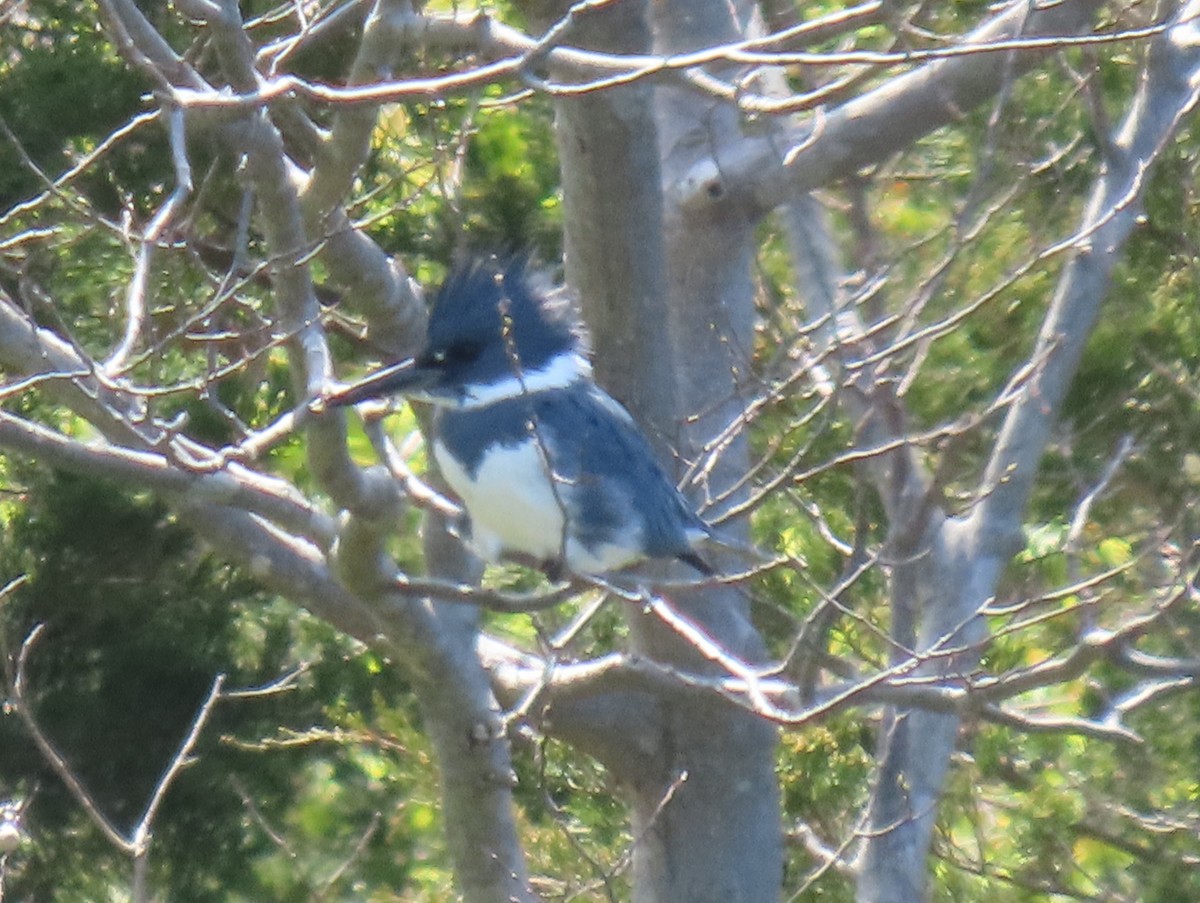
<point x="140" y="294"/>
<point x="57" y="761"/>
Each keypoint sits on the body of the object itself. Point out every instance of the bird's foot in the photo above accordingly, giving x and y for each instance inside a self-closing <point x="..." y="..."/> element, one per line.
<point x="555" y="570"/>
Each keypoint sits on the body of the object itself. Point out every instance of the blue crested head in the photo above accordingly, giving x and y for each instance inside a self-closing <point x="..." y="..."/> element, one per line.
<point x="492" y="318"/>
<point x="494" y="322"/>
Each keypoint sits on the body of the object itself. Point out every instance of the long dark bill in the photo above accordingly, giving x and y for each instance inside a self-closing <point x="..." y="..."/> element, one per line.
<point x="397" y="379"/>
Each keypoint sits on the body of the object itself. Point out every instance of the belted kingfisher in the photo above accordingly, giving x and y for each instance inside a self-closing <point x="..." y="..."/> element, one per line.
<point x="546" y="463"/>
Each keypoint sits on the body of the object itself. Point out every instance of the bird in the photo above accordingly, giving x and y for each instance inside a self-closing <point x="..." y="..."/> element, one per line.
<point x="549" y="467"/>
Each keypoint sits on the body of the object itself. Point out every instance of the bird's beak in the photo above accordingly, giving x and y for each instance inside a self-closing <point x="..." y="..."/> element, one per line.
<point x="407" y="377"/>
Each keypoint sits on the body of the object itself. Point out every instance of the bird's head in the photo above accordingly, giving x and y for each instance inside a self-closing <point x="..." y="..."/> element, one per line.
<point x="496" y="329"/>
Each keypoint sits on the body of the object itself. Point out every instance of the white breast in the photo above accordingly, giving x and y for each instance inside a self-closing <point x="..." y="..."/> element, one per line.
<point x="511" y="501"/>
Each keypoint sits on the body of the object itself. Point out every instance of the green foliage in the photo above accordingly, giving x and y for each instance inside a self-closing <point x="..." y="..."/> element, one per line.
<point x="513" y="199"/>
<point x="1055" y="814"/>
<point x="139" y="621"/>
<point x="568" y="821"/>
<point x="508" y="200"/>
<point x="824" y="771"/>
<point x="53" y="112"/>
<point x="288" y="788"/>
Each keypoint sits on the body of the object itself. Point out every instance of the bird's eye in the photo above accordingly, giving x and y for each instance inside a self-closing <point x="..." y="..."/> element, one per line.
<point x="459" y="353"/>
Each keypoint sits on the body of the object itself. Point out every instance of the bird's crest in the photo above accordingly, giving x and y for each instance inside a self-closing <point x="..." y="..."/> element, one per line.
<point x="481" y="292"/>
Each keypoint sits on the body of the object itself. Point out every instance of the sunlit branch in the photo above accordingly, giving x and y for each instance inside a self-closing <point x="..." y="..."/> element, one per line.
<point x="52" y="188"/>
<point x="901" y="684"/>
<point x="269" y="496"/>
<point x="866" y="129"/>
<point x="139" y="295"/>
<point x="141" y="44"/>
<point x="85" y="164"/>
<point x="624" y="69"/>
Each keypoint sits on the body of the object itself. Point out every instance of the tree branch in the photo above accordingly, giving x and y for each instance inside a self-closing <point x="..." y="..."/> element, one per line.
<point x="1166" y="96"/>
<point x="138" y="296"/>
<point x="868" y="129"/>
<point x="266" y="496"/>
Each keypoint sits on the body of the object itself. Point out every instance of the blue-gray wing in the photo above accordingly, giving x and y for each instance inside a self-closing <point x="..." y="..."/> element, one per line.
<point x="612" y="473"/>
<point x="609" y="478"/>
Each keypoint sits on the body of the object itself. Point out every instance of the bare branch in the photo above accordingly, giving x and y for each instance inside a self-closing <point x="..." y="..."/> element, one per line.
<point x="139" y="294"/>
<point x="235" y="485"/>
<point x="867" y="129"/>
<point x="141" y="44"/>
<point x="360" y="846"/>
<point x="182" y="758"/>
<point x="1166" y="96"/>
<point x="624" y="69"/>
<point x="140" y="838"/>
<point x="53" y="757"/>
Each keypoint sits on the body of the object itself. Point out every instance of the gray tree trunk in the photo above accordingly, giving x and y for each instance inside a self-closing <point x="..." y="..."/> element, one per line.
<point x="663" y="189"/>
<point x="669" y="303"/>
